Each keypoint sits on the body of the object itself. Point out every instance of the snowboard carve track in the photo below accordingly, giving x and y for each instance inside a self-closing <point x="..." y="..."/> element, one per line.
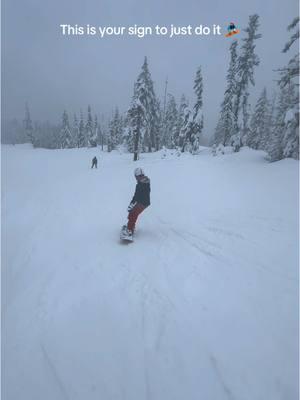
<point x="196" y="246"/>
<point x="220" y="377"/>
<point x="55" y="374"/>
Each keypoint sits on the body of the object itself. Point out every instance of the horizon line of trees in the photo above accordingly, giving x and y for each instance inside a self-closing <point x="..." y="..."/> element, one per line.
<point x="147" y="125"/>
<point x="151" y="124"/>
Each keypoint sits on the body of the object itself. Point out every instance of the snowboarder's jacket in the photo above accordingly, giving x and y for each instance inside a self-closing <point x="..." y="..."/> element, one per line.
<point x="142" y="192"/>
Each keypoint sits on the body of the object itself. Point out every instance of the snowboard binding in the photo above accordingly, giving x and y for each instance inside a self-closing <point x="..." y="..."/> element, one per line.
<point x="126" y="235"/>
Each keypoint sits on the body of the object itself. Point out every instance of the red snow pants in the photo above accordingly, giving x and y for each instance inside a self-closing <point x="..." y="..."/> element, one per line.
<point x="133" y="216"/>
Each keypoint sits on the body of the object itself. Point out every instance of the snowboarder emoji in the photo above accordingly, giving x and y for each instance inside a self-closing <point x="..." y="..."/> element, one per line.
<point x="139" y="202"/>
<point x="232" y="30"/>
<point x="94" y="162"/>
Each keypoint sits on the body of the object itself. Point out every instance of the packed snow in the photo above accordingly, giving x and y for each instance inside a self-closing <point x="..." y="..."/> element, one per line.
<point x="202" y="305"/>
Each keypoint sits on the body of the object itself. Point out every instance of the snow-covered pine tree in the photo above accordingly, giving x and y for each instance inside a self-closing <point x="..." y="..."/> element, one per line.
<point x="114" y="131"/>
<point x="38" y="134"/>
<point x="89" y="129"/>
<point x="136" y="116"/>
<point x="81" y="132"/>
<point x="28" y="127"/>
<point x="225" y="126"/>
<point x="275" y="147"/>
<point x="93" y="133"/>
<point x="193" y="119"/>
<point x="55" y="137"/>
<point x="294" y="37"/>
<point x="143" y="116"/>
<point x="75" y="131"/>
<point x="171" y="118"/>
<point x="159" y="134"/>
<point x="289" y="78"/>
<point x="290" y="140"/>
<point x="269" y="123"/>
<point x="149" y="103"/>
<point x="186" y="130"/>
<point x="198" y="88"/>
<point x="180" y="121"/>
<point x="258" y="123"/>
<point x="198" y="120"/>
<point x="96" y="130"/>
<point x="65" y="133"/>
<point x="156" y="126"/>
<point x="102" y="132"/>
<point x="245" y="75"/>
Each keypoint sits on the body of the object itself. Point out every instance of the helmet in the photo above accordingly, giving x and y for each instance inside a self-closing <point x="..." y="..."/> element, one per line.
<point x="138" y="172"/>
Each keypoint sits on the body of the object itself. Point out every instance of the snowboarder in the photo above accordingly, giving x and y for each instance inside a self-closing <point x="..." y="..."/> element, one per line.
<point x="139" y="202"/>
<point x="232" y="30"/>
<point x="94" y="162"/>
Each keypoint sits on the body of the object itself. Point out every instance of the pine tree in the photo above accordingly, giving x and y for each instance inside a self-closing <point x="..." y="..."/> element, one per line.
<point x="186" y="130"/>
<point x="143" y="115"/>
<point x="294" y="37"/>
<point x="95" y="131"/>
<point x="276" y="143"/>
<point x="197" y="112"/>
<point x="291" y="71"/>
<point x="65" y="133"/>
<point x="270" y="123"/>
<point x="149" y="103"/>
<point x="75" y="131"/>
<point x="180" y="122"/>
<point x="259" y="120"/>
<point x="89" y="129"/>
<point x="137" y="120"/>
<point x="115" y="131"/>
<point x="193" y="119"/>
<point x="102" y="132"/>
<point x="81" y="132"/>
<point x="171" y="117"/>
<point x="245" y="76"/>
<point x="290" y="140"/>
<point x="289" y="77"/>
<point x="225" y="126"/>
<point x="28" y="128"/>
<point x="156" y="125"/>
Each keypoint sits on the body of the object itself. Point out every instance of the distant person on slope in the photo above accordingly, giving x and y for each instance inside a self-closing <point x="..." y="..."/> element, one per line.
<point x="140" y="200"/>
<point x="94" y="162"/>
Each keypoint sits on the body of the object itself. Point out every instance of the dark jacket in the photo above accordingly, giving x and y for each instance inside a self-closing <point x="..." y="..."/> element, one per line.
<point x="142" y="192"/>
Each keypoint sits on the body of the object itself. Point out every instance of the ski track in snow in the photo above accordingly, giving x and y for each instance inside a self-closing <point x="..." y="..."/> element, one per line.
<point x="53" y="370"/>
<point x="199" y="306"/>
<point x="219" y="374"/>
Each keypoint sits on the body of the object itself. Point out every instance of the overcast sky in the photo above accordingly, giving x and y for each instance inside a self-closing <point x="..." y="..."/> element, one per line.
<point x="55" y="72"/>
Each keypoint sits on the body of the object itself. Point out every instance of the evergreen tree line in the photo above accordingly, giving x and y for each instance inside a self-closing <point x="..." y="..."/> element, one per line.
<point x="78" y="133"/>
<point x="273" y="125"/>
<point x="145" y="127"/>
<point x="151" y="124"/>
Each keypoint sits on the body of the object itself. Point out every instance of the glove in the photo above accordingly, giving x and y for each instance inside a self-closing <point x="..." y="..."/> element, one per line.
<point x="131" y="206"/>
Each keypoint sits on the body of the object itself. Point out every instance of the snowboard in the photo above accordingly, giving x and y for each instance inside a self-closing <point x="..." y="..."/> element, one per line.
<point x="232" y="33"/>
<point x="124" y="236"/>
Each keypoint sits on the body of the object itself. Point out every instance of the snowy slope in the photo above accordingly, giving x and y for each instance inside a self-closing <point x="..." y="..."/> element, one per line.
<point x="203" y="305"/>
